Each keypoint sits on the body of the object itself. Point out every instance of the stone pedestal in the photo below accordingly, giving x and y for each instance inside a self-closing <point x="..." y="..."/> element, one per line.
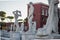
<point x="52" y="36"/>
<point x="15" y="35"/>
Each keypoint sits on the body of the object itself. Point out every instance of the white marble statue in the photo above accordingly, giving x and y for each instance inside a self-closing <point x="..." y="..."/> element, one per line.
<point x="52" y="21"/>
<point x="30" y="34"/>
<point x="15" y="35"/>
<point x="30" y="16"/>
<point x="16" y="15"/>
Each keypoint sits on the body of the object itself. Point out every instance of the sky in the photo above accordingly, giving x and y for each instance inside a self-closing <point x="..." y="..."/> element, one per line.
<point x="11" y="5"/>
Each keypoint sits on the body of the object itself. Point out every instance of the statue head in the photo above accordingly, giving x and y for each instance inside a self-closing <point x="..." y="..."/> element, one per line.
<point x="17" y="12"/>
<point x="30" y="3"/>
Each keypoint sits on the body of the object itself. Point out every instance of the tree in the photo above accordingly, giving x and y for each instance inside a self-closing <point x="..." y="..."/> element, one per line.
<point x="20" y="19"/>
<point x="2" y="19"/>
<point x="10" y="17"/>
<point x="2" y="15"/>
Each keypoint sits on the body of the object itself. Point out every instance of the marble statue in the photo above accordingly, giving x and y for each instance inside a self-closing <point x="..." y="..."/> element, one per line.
<point x="30" y="34"/>
<point x="30" y="16"/>
<point x="15" y="35"/>
<point x="16" y="15"/>
<point x="52" y="21"/>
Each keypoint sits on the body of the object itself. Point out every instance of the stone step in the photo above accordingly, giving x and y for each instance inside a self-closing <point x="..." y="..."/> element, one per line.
<point x="4" y="38"/>
<point x="56" y="36"/>
<point x="52" y="36"/>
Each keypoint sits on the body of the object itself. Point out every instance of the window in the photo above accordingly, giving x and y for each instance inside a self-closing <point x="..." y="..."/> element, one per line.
<point x="42" y="11"/>
<point x="46" y="13"/>
<point x="44" y="20"/>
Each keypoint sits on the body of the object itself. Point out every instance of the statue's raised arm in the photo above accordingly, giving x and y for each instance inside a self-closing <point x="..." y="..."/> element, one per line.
<point x="19" y="13"/>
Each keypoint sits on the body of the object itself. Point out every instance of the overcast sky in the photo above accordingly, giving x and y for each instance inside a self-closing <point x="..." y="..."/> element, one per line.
<point x="11" y="5"/>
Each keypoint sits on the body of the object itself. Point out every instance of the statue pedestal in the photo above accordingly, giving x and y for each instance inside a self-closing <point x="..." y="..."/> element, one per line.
<point x="15" y="35"/>
<point x="51" y="36"/>
<point x="27" y="36"/>
<point x="42" y="31"/>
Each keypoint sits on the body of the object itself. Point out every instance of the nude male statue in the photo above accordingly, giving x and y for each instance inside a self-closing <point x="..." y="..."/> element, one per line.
<point x="30" y="17"/>
<point x="16" y="15"/>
